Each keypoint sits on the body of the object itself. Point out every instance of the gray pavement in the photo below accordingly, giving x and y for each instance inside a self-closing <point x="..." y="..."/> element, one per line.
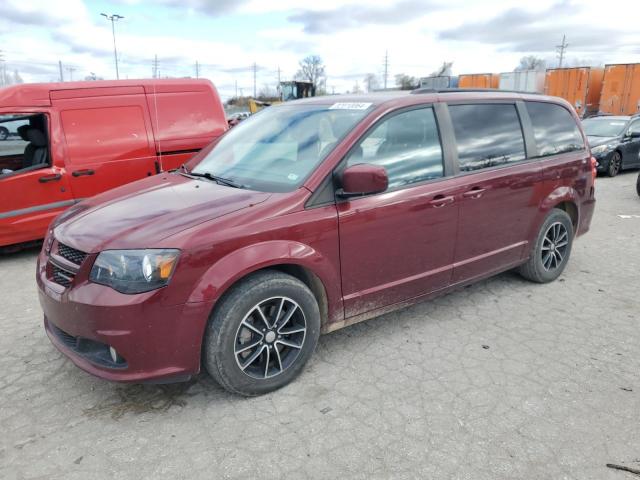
<point x="502" y="380"/>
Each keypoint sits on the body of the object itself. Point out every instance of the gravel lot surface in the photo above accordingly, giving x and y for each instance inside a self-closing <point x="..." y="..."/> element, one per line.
<point x="501" y="380"/>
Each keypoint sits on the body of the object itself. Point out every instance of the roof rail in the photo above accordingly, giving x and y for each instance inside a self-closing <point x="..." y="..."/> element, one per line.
<point x="418" y="91"/>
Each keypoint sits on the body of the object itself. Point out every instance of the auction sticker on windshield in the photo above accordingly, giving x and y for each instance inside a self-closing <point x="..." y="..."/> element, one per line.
<point x="350" y="106"/>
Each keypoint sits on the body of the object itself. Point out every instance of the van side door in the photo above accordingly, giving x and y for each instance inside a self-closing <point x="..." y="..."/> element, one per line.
<point x="499" y="202"/>
<point x="106" y="134"/>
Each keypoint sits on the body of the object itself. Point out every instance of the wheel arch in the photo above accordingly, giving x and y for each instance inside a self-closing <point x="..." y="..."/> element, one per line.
<point x="296" y="259"/>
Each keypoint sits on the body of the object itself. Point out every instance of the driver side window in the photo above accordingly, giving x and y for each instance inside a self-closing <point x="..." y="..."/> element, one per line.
<point x="634" y="127"/>
<point x="23" y="143"/>
<point x="407" y="145"/>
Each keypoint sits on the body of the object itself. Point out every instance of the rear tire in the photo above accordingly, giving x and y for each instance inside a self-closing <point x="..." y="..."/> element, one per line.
<point x="551" y="250"/>
<point x="615" y="164"/>
<point x="262" y="333"/>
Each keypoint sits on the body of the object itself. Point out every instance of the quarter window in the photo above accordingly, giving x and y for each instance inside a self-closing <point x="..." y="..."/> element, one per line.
<point x="407" y="145"/>
<point x="554" y="129"/>
<point x="487" y="135"/>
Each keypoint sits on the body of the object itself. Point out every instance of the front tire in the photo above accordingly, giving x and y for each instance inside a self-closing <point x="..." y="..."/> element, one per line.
<point x="638" y="185"/>
<point x="552" y="248"/>
<point x="615" y="164"/>
<point x="4" y="133"/>
<point x="261" y="333"/>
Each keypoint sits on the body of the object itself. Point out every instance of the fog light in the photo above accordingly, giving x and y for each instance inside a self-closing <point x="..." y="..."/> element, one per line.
<point x="114" y="354"/>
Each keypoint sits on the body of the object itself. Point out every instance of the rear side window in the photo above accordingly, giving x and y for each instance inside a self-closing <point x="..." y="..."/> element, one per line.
<point x="487" y="135"/>
<point x="407" y="145"/>
<point x="554" y="129"/>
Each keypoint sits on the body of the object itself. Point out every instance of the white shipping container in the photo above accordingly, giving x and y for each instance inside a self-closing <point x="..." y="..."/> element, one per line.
<point x="523" y="81"/>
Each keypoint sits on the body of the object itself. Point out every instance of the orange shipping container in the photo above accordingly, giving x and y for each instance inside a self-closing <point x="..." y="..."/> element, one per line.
<point x="580" y="86"/>
<point x="479" y="80"/>
<point x="621" y="89"/>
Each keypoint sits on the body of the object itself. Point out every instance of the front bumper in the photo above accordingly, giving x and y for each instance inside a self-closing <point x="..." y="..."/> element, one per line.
<point x="155" y="342"/>
<point x="603" y="160"/>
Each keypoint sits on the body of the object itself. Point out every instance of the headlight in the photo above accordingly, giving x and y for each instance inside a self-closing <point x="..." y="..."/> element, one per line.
<point x="601" y="149"/>
<point x="134" y="271"/>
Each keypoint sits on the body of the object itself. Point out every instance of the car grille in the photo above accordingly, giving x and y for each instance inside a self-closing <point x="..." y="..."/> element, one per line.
<point x="71" y="254"/>
<point x="61" y="276"/>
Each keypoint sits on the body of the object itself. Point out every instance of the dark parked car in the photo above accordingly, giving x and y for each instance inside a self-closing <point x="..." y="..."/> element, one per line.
<point x="308" y="217"/>
<point x="614" y="141"/>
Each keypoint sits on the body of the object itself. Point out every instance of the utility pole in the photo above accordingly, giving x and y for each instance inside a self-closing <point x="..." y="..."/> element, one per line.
<point x="255" y="69"/>
<point x="60" y="65"/>
<point x="236" y="88"/>
<point x="278" y="91"/>
<point x="197" y="70"/>
<point x="114" y="18"/>
<point x="3" y="73"/>
<point x="155" y="66"/>
<point x="386" y="67"/>
<point x="70" y="70"/>
<point x="561" y="49"/>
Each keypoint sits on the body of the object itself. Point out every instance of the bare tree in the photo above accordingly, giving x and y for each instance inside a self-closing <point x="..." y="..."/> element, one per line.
<point x="371" y="82"/>
<point x="405" y="82"/>
<point x="531" y="62"/>
<point x="311" y="70"/>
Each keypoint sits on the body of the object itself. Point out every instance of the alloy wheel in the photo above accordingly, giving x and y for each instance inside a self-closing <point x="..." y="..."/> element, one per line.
<point x="615" y="164"/>
<point x="554" y="246"/>
<point x="270" y="337"/>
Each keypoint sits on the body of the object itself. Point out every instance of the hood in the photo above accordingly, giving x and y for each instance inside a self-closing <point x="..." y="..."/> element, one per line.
<point x="595" y="141"/>
<point x="142" y="213"/>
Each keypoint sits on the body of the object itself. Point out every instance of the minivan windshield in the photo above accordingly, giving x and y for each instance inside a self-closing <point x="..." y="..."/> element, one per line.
<point x="604" y="127"/>
<point x="276" y="149"/>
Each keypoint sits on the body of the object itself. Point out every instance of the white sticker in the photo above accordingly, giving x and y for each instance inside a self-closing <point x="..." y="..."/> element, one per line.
<point x="292" y="176"/>
<point x="350" y="106"/>
<point x="616" y="123"/>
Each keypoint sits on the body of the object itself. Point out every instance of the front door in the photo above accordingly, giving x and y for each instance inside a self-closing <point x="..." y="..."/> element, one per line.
<point x="498" y="203"/>
<point x="631" y="145"/>
<point x="399" y="244"/>
<point x="33" y="187"/>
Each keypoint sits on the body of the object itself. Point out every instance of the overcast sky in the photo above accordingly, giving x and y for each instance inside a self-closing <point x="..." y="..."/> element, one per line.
<point x="227" y="36"/>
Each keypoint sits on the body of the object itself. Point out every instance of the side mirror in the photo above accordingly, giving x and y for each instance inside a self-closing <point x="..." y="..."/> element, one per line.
<point x="633" y="134"/>
<point x="363" y="179"/>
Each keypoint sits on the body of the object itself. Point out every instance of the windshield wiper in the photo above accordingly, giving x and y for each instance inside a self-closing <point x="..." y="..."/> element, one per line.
<point x="217" y="179"/>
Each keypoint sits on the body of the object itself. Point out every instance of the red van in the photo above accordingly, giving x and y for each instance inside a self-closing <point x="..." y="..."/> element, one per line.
<point x="63" y="142"/>
<point x="307" y="217"/>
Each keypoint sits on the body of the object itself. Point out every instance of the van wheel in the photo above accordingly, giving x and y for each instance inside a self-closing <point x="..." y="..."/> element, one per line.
<point x="615" y="164"/>
<point x="4" y="133"/>
<point x="638" y="185"/>
<point x="551" y="251"/>
<point x="262" y="333"/>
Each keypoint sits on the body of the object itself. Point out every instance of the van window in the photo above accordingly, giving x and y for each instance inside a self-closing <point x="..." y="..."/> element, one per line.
<point x="105" y="134"/>
<point x="24" y="142"/>
<point x="407" y="145"/>
<point x="554" y="129"/>
<point x="487" y="135"/>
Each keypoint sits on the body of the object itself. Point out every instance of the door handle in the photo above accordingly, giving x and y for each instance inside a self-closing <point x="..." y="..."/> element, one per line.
<point x="79" y="173"/>
<point x="475" y="192"/>
<point x="50" y="178"/>
<point x="440" y="200"/>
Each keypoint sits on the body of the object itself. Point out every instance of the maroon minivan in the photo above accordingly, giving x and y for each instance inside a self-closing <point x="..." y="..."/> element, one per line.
<point x="308" y="217"/>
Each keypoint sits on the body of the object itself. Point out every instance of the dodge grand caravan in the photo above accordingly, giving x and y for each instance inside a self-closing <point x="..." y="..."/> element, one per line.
<point x="308" y="217"/>
<point x="74" y="140"/>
